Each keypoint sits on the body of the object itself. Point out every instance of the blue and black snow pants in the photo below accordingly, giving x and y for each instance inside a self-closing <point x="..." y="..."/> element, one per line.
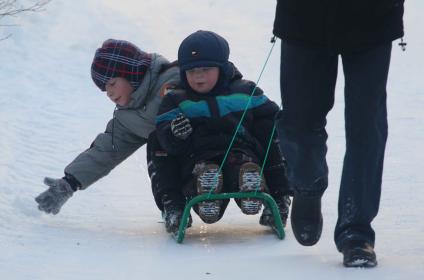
<point x="308" y="78"/>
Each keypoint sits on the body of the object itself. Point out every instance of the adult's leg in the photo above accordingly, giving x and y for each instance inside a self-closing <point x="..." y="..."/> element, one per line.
<point x="308" y="78"/>
<point x="366" y="133"/>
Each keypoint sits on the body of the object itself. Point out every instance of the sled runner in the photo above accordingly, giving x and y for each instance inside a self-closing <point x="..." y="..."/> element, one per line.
<point x="268" y="200"/>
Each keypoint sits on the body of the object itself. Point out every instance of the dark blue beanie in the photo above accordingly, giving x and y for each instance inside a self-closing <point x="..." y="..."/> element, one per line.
<point x="203" y="49"/>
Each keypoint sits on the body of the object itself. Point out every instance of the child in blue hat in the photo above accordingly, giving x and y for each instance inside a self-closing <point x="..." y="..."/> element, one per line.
<point x="197" y="124"/>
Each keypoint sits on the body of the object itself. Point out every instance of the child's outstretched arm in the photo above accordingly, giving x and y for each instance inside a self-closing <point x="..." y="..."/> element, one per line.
<point x="107" y="151"/>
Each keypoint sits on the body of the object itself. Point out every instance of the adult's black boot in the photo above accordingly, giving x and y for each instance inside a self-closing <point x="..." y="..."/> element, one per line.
<point x="358" y="254"/>
<point x="306" y="219"/>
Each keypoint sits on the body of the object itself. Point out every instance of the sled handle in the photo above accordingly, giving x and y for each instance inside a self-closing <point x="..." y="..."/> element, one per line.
<point x="258" y="195"/>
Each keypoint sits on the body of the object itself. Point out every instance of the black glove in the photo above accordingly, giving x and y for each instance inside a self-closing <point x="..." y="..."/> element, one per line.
<point x="181" y="127"/>
<point x="51" y="200"/>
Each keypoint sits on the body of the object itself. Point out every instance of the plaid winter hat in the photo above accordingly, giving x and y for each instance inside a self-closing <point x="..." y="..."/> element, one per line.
<point x="118" y="58"/>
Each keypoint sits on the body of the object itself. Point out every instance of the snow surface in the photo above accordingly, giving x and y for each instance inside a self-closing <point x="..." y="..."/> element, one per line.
<point x="51" y="111"/>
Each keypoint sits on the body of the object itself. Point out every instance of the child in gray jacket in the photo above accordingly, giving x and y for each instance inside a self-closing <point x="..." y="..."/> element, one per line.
<point x="135" y="81"/>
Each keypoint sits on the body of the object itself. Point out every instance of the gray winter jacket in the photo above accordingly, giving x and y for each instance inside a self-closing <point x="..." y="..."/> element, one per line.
<point x="129" y="128"/>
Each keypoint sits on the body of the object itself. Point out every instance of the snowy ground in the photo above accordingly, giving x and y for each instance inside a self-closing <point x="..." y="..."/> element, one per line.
<point x="51" y="111"/>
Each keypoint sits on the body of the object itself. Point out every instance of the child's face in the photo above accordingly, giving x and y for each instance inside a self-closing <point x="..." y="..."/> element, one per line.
<point x="202" y="79"/>
<point x="119" y="91"/>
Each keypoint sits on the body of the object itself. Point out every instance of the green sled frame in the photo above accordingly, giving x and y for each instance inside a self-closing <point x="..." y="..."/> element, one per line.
<point x="270" y="202"/>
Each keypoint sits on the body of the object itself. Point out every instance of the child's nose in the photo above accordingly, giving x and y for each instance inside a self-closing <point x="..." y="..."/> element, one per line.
<point x="198" y="74"/>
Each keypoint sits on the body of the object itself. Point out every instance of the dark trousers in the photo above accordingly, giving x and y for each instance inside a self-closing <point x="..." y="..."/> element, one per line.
<point x="165" y="173"/>
<point x="308" y="78"/>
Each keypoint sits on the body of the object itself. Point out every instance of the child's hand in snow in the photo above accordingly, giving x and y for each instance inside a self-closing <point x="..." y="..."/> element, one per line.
<point x="51" y="200"/>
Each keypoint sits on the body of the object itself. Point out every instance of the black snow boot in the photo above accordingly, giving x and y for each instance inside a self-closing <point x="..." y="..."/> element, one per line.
<point x="358" y="254"/>
<point x="306" y="219"/>
<point x="172" y="214"/>
<point x="283" y="203"/>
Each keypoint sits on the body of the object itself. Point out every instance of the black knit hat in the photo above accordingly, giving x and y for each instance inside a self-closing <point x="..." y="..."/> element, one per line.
<point x="118" y="58"/>
<point x="203" y="49"/>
